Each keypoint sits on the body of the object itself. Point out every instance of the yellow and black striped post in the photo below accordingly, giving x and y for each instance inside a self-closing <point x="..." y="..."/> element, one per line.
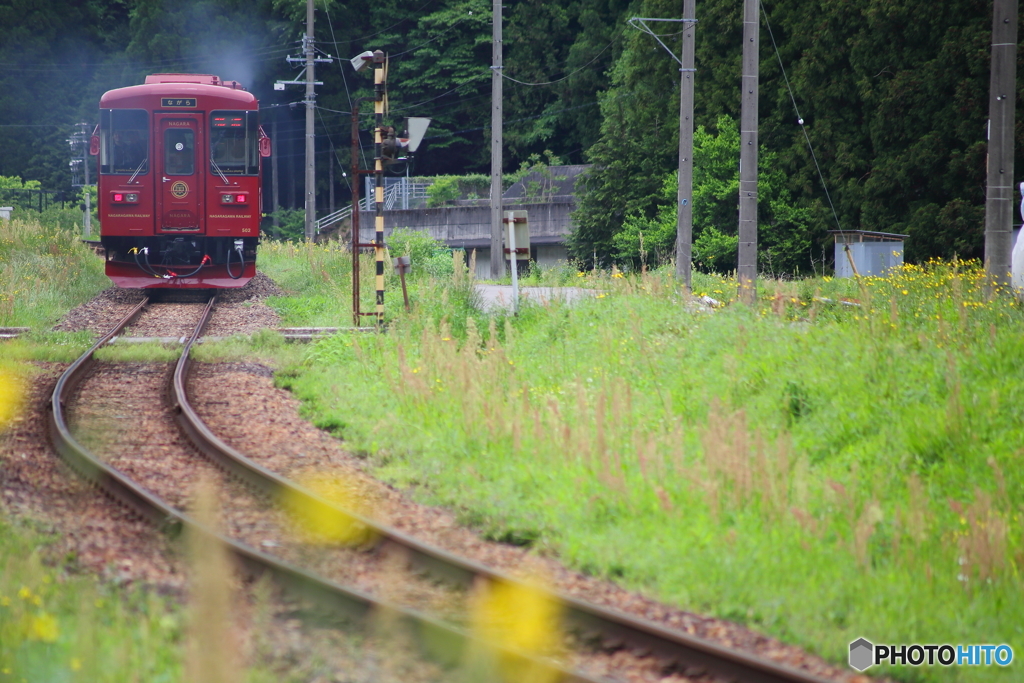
<point x="378" y="154"/>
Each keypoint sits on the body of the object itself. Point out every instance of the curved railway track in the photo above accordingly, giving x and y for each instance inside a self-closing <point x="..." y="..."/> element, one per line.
<point x="590" y="623"/>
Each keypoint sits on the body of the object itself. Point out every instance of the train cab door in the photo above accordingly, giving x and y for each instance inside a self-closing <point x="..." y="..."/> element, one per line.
<point x="180" y="167"/>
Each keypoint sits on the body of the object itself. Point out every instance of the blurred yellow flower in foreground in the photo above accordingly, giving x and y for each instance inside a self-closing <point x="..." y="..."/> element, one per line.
<point x="43" y="627"/>
<point x="324" y="523"/>
<point x="12" y="390"/>
<point x="524" y="618"/>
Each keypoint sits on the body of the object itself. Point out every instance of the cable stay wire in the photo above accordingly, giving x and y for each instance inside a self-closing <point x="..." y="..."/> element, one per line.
<point x="344" y="79"/>
<point x="334" y="151"/>
<point x="558" y="80"/>
<point x="472" y="81"/>
<point x="800" y="119"/>
<point x="638" y="24"/>
<point x="440" y="35"/>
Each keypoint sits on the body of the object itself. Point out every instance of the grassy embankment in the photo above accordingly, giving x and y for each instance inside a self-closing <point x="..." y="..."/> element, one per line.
<point x="816" y="470"/>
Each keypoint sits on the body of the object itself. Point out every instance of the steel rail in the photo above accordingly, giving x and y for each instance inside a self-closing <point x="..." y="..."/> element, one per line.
<point x="589" y="620"/>
<point x="440" y="641"/>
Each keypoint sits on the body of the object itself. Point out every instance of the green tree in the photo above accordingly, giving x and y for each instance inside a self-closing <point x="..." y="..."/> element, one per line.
<point x="893" y="97"/>
<point x="785" y="236"/>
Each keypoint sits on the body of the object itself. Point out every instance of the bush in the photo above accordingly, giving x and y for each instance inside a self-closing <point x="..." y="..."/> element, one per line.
<point x="291" y="225"/>
<point x="444" y="190"/>
<point x="429" y="256"/>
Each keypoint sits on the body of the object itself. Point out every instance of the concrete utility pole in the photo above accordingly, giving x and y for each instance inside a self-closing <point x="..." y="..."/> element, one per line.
<point x="999" y="202"/>
<point x="275" y="188"/>
<point x="684" y="203"/>
<point x="747" y="266"/>
<point x="310" y="60"/>
<point x="310" y="135"/>
<point x="79" y="142"/>
<point x="497" y="255"/>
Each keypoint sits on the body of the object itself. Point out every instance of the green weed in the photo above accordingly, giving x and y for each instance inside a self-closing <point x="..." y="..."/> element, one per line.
<point x="841" y="460"/>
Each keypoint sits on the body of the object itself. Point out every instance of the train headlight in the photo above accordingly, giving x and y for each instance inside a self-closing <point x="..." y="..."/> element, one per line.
<point x="124" y="197"/>
<point x="131" y="197"/>
<point x="234" y="198"/>
<point x="227" y="198"/>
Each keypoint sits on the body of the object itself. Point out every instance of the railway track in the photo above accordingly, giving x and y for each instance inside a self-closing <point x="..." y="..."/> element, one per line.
<point x="594" y="625"/>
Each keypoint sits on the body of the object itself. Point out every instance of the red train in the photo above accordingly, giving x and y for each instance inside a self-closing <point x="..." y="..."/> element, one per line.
<point x="179" y="182"/>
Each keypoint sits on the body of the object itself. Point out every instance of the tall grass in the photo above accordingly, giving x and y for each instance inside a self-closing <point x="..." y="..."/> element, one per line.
<point x="45" y="270"/>
<point x="59" y="627"/>
<point x="841" y="460"/>
<point x="320" y="275"/>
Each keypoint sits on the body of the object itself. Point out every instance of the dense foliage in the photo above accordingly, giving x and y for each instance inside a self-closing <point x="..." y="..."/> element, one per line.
<point x="893" y="96"/>
<point x="894" y="99"/>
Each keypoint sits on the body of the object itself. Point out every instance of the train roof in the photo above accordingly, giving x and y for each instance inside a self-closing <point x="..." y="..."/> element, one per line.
<point x="209" y="90"/>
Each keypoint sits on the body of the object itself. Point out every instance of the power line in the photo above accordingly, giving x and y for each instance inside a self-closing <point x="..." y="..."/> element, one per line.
<point x="799" y="118"/>
<point x="557" y="80"/>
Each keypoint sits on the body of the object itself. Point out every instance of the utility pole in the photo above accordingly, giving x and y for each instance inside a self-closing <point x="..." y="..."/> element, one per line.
<point x="746" y="271"/>
<point x="684" y="193"/>
<point x="310" y="135"/>
<point x="684" y="203"/>
<point x="88" y="188"/>
<point x="274" y="192"/>
<point x="310" y="60"/>
<point x="79" y="142"/>
<point x="1002" y="109"/>
<point x="497" y="255"/>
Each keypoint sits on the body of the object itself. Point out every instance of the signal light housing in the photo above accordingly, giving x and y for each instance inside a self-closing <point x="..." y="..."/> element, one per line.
<point x="124" y="197"/>
<point x="234" y="198"/>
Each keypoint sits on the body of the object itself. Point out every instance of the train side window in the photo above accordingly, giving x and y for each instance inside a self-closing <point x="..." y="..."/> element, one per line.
<point x="124" y="141"/>
<point x="179" y="151"/>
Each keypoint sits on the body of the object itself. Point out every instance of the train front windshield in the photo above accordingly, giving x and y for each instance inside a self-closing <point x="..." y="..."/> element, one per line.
<point x="234" y="143"/>
<point x="124" y="141"/>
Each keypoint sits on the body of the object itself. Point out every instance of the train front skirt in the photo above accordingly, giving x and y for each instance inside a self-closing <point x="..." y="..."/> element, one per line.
<point x="211" y="275"/>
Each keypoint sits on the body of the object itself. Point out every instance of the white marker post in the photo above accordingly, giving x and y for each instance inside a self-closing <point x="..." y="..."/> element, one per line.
<point x="513" y="260"/>
<point x="1017" y="255"/>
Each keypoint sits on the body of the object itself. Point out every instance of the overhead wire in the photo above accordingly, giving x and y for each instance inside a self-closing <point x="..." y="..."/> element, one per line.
<point x="344" y="79"/>
<point x="437" y="37"/>
<point x="799" y="118"/>
<point x="557" y="80"/>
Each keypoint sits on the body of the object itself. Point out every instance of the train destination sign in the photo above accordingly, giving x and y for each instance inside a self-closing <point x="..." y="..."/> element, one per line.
<point x="178" y="102"/>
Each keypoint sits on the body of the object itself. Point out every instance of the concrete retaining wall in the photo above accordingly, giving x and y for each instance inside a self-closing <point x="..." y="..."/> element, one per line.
<point x="470" y="226"/>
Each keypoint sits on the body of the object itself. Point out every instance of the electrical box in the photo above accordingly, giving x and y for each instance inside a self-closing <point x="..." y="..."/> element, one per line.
<point x="872" y="253"/>
<point x="522" y="234"/>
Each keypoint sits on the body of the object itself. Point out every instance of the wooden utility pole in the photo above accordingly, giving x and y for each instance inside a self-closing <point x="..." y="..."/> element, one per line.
<point x="684" y="199"/>
<point x="310" y="139"/>
<point x="999" y="202"/>
<point x="747" y="267"/>
<point x="497" y="255"/>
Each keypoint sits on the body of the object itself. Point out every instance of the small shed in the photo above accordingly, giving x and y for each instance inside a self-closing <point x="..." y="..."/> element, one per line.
<point x="873" y="253"/>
